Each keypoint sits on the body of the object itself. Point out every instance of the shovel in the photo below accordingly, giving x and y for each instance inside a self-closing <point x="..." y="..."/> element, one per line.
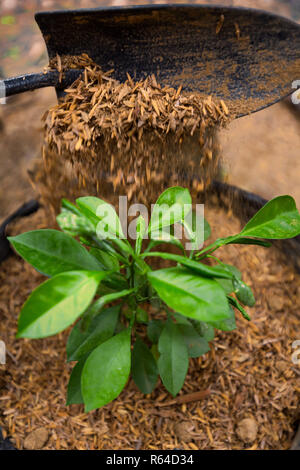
<point x="248" y="58"/>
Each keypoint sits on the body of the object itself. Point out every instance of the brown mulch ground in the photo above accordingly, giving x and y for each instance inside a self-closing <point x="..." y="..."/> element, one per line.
<point x="248" y="372"/>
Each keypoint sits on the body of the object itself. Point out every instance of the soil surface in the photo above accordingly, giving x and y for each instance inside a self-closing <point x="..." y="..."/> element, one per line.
<point x="252" y="386"/>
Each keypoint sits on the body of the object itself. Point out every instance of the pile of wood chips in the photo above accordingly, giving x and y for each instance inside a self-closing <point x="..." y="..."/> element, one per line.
<point x="247" y="387"/>
<point x="134" y="138"/>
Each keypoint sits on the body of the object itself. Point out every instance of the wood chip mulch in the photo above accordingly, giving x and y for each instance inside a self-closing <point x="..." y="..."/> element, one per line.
<point x="133" y="135"/>
<point x="243" y="394"/>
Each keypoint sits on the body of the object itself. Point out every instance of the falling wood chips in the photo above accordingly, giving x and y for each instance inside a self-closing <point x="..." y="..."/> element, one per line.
<point x="134" y="138"/>
<point x="248" y="373"/>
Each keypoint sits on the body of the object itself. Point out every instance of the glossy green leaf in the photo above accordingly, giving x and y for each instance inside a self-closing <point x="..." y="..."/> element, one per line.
<point x="140" y="232"/>
<point x="109" y="224"/>
<point x="106" y="221"/>
<point x="197" y="229"/>
<point x="249" y="241"/>
<point x="106" y="371"/>
<point x="204" y="329"/>
<point x="278" y="219"/>
<point x="159" y="237"/>
<point x="97" y="306"/>
<point x="102" y="327"/>
<point x="106" y="260"/>
<point x="57" y="303"/>
<point x="226" y="284"/>
<point x="144" y="368"/>
<point x="74" y="224"/>
<point x="66" y="204"/>
<point x="238" y="306"/>
<point x="154" y="330"/>
<point x="52" y="252"/>
<point x="191" y="295"/>
<point x="109" y="261"/>
<point x="234" y="271"/>
<point x="174" y="360"/>
<point x="243" y="293"/>
<point x="197" y="345"/>
<point x="225" y="325"/>
<point x="171" y="207"/>
<point x="74" y="386"/>
<point x="196" y="266"/>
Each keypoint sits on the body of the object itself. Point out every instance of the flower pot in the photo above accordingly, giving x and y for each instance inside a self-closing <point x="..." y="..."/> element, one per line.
<point x="243" y="205"/>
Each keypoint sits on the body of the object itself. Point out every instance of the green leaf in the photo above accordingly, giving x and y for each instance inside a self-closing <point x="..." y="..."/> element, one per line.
<point x="66" y="204"/>
<point x="140" y="232"/>
<point x="174" y="360"/>
<point x="108" y="222"/>
<point x="140" y="282"/>
<point x="171" y="207"/>
<point x="234" y="271"/>
<point x="154" y="351"/>
<point x="197" y="345"/>
<point x="237" y="305"/>
<point x="180" y="319"/>
<point x="144" y="368"/>
<point x="102" y="327"/>
<point x="191" y="295"/>
<point x="197" y="229"/>
<point x="243" y="293"/>
<point x="207" y="230"/>
<point x="160" y="237"/>
<point x="109" y="261"/>
<point x="105" y="299"/>
<point x="196" y="266"/>
<point x="52" y="252"/>
<point x="154" y="330"/>
<point x="225" y="325"/>
<point x="106" y="260"/>
<point x="57" y="303"/>
<point x="196" y="342"/>
<point x="74" y="224"/>
<point x="278" y="219"/>
<point x="226" y="284"/>
<point x="106" y="371"/>
<point x="249" y="241"/>
<point x="204" y="329"/>
<point x="74" y="386"/>
<point x="141" y="315"/>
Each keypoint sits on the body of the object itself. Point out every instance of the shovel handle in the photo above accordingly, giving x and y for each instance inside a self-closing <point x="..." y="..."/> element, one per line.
<point x="26" y="209"/>
<point x="32" y="81"/>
